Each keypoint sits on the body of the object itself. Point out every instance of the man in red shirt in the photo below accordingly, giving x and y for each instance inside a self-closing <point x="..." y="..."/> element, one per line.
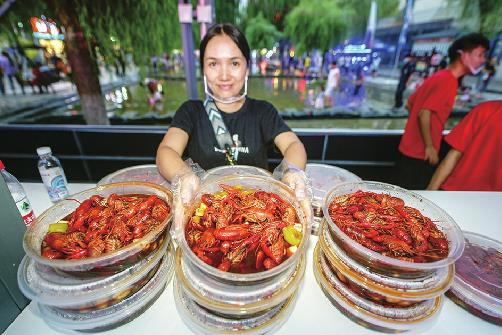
<point x="474" y="163"/>
<point x="430" y="106"/>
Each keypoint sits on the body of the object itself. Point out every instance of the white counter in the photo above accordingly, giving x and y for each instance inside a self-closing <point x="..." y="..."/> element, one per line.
<point x="479" y="212"/>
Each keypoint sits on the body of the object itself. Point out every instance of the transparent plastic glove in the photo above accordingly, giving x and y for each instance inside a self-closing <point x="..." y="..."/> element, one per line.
<point x="297" y="180"/>
<point x="185" y="185"/>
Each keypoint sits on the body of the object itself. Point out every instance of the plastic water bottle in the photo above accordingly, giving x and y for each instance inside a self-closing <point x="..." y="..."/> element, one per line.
<point x="52" y="174"/>
<point x="19" y="195"/>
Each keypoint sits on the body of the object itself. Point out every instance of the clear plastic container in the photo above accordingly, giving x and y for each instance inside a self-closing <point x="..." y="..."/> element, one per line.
<point x="392" y="289"/>
<point x="234" y="170"/>
<point x="105" y="264"/>
<point x="387" y="265"/>
<point x="324" y="177"/>
<point x="368" y="314"/>
<point x="202" y="321"/>
<point x="113" y="316"/>
<point x="478" y="281"/>
<point x="44" y="285"/>
<point x="147" y="172"/>
<point x="254" y="182"/>
<point x="236" y="300"/>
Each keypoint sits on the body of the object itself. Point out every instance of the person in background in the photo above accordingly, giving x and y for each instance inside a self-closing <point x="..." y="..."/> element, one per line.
<point x="430" y="107"/>
<point x="474" y="162"/>
<point x="2" y="85"/>
<point x="333" y="82"/>
<point x="155" y="96"/>
<point x="10" y="70"/>
<point x="319" y="100"/>
<point x="253" y="125"/>
<point x="406" y="71"/>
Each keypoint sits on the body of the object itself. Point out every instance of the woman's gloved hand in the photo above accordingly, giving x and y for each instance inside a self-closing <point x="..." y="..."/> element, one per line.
<point x="185" y="185"/>
<point x="297" y="180"/>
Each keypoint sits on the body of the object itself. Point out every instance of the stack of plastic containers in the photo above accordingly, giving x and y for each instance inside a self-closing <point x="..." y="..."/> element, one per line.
<point x="377" y="291"/>
<point x="217" y="302"/>
<point x="324" y="178"/>
<point x="478" y="279"/>
<point x="97" y="293"/>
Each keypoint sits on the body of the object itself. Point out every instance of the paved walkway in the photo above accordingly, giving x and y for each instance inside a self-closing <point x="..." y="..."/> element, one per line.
<point x="15" y="102"/>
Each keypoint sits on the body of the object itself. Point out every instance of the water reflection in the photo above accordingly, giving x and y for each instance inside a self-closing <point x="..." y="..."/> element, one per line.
<point x="293" y="97"/>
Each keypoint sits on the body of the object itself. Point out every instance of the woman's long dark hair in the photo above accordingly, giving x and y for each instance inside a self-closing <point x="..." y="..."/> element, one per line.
<point x="231" y="31"/>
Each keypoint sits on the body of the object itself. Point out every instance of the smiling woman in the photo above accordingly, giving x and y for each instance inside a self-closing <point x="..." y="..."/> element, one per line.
<point x="229" y="127"/>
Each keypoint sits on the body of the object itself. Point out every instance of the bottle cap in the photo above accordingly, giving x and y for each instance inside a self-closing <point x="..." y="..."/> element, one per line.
<point x="1" y="165"/>
<point x="44" y="151"/>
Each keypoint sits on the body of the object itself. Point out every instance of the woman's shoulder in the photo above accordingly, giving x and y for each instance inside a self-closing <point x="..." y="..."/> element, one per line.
<point x="261" y="106"/>
<point x="191" y="105"/>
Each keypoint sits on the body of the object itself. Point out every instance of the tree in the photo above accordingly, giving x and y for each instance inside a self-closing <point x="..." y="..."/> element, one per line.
<point x="260" y="33"/>
<point x="357" y="26"/>
<point x="84" y="69"/>
<point x="103" y="28"/>
<point x="317" y="24"/>
<point x="273" y="11"/>
<point x="480" y="15"/>
<point x="227" y="11"/>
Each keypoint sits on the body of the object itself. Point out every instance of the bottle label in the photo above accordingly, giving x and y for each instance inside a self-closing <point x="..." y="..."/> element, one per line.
<point x="55" y="183"/>
<point x="26" y="211"/>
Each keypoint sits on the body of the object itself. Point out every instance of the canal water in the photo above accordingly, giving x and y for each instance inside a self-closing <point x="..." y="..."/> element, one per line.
<point x="294" y="98"/>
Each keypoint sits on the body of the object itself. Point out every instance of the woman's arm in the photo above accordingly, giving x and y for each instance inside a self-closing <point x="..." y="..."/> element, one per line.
<point x="292" y="149"/>
<point x="169" y="153"/>
<point x="444" y="169"/>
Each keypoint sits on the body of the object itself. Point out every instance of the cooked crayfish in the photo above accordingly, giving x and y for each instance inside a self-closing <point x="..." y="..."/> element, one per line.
<point x="243" y="230"/>
<point x="384" y="224"/>
<point x="100" y="225"/>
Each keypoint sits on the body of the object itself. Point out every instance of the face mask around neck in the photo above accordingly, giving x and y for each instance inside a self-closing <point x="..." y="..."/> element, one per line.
<point x="474" y="71"/>
<point x="226" y="100"/>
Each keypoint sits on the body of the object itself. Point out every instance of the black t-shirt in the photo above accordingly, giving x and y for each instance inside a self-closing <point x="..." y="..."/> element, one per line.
<point x="253" y="129"/>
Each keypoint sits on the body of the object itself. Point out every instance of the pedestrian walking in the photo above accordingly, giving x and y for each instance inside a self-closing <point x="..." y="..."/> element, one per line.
<point x="406" y="71"/>
<point x="333" y="82"/>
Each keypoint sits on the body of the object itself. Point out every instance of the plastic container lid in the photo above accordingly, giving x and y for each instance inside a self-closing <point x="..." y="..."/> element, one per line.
<point x="232" y="170"/>
<point x="147" y="172"/>
<point x="47" y="286"/>
<point x="230" y="299"/>
<point x="202" y="321"/>
<point x="324" y="177"/>
<point x="388" y="265"/>
<point x="478" y="278"/>
<point x="430" y="286"/>
<point x="370" y="314"/>
<point x="116" y="315"/>
<point x="44" y="151"/>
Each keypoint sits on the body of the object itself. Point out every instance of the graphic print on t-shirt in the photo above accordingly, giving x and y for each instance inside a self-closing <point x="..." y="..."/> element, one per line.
<point x="236" y="148"/>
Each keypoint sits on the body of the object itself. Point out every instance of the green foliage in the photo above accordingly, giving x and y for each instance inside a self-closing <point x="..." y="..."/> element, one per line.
<point x="487" y="20"/>
<point x="260" y="33"/>
<point x="317" y="24"/>
<point x="322" y="23"/>
<point x="273" y="11"/>
<point x="227" y="11"/>
<point x="140" y="27"/>
<point x="357" y="26"/>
